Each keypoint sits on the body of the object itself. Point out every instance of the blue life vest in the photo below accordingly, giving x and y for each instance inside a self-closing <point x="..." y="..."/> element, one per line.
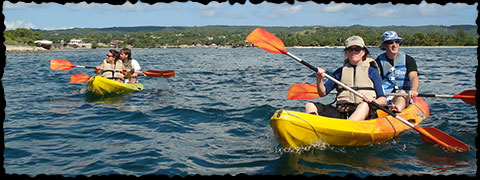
<point x="395" y="77"/>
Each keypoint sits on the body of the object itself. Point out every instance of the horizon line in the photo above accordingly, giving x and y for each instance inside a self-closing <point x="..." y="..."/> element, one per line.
<point x="194" y="26"/>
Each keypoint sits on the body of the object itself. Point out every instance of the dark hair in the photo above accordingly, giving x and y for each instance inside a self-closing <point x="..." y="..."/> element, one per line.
<point x="127" y="52"/>
<point x="115" y="54"/>
<point x="367" y="53"/>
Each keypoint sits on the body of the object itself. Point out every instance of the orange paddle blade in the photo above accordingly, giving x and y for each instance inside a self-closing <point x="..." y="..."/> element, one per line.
<point x="467" y="96"/>
<point x="267" y="41"/>
<point x="302" y="91"/>
<point x="79" y="78"/>
<point x="61" y="64"/>
<point x="157" y="73"/>
<point x="446" y="140"/>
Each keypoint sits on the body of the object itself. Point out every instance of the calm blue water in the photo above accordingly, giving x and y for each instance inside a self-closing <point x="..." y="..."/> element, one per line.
<point x="213" y="117"/>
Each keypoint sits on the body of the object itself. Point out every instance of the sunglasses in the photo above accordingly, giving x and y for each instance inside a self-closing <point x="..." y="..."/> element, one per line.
<point x="398" y="41"/>
<point x="109" y="55"/>
<point x="357" y="49"/>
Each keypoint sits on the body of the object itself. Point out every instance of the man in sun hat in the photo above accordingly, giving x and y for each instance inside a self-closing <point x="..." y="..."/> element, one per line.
<point x="398" y="71"/>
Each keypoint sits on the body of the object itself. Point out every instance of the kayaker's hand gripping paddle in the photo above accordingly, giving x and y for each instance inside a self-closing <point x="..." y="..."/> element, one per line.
<point x="269" y="42"/>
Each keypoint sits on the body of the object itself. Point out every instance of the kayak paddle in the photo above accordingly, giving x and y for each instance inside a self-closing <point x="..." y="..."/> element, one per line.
<point x="467" y="96"/>
<point x="81" y="78"/>
<point x="65" y="65"/>
<point x="302" y="91"/>
<point x="269" y="42"/>
<point x="159" y="74"/>
<point x="309" y="91"/>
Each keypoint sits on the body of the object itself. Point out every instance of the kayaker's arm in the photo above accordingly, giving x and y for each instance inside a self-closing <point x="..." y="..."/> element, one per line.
<point x="320" y="85"/>
<point x="377" y="83"/>
<point x="125" y="72"/>
<point x="98" y="69"/>
<point x="415" y="84"/>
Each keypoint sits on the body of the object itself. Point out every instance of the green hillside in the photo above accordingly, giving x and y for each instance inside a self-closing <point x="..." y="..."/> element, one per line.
<point x="158" y="36"/>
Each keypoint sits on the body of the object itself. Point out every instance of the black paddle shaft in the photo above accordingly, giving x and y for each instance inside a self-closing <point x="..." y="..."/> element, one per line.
<point x="341" y="84"/>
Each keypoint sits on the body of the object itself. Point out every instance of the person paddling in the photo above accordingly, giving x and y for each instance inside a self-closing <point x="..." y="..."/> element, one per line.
<point x="398" y="70"/>
<point x="112" y="62"/>
<point x="358" y="72"/>
<point x="132" y="65"/>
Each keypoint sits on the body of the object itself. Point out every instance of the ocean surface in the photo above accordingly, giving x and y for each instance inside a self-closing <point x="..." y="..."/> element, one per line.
<point x="212" y="118"/>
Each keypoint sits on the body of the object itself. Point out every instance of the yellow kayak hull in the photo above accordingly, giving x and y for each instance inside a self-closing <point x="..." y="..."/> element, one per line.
<point x="102" y="86"/>
<point x="296" y="129"/>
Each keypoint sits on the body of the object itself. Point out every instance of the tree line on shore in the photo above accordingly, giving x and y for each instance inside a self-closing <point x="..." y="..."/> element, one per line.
<point x="234" y="36"/>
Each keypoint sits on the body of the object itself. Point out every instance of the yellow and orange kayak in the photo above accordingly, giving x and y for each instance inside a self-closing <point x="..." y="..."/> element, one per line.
<point x="296" y="129"/>
<point x="102" y="86"/>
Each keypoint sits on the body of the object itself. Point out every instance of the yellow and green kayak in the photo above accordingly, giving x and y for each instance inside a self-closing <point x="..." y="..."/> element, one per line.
<point x="102" y="86"/>
<point x="296" y="129"/>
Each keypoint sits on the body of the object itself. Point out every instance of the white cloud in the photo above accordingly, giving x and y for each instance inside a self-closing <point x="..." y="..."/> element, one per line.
<point x="12" y="25"/>
<point x="413" y="10"/>
<point x="283" y="10"/>
<point x="290" y="9"/>
<point x="126" y="7"/>
<point x="333" y="7"/>
<point x="210" y="10"/>
<point x="21" y="5"/>
<point x="436" y="9"/>
<point x="19" y="24"/>
<point x="217" y="10"/>
<point x="385" y="10"/>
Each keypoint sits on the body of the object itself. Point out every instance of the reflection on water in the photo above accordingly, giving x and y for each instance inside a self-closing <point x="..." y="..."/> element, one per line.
<point x="338" y="161"/>
<point x="113" y="99"/>
<point x="379" y="160"/>
<point x="63" y="105"/>
<point x="441" y="162"/>
<point x="149" y="100"/>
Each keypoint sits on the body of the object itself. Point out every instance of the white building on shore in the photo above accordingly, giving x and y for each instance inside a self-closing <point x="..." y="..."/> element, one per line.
<point x="78" y="43"/>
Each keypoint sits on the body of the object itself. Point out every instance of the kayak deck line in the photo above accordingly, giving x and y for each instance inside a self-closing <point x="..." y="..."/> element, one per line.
<point x="103" y="86"/>
<point x="313" y="128"/>
<point x="281" y="112"/>
<point x="295" y="129"/>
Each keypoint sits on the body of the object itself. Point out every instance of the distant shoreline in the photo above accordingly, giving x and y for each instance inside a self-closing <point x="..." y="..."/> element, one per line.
<point x="14" y="48"/>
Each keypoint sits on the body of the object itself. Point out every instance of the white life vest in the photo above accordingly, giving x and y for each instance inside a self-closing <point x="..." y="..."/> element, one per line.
<point x="109" y="73"/>
<point x="356" y="78"/>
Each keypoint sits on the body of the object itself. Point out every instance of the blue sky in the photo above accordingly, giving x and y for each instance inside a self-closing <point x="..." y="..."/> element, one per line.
<point x="49" y="16"/>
